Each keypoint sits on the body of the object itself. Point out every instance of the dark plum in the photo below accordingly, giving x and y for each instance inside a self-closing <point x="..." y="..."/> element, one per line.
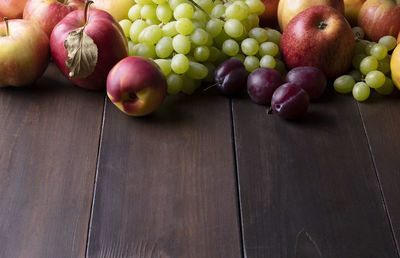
<point x="231" y="77"/>
<point x="262" y="83"/>
<point x="310" y="78"/>
<point x="290" y="101"/>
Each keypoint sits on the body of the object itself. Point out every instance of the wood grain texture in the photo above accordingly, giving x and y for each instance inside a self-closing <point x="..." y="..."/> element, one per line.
<point x="313" y="177"/>
<point x="166" y="183"/>
<point x="49" y="136"/>
<point x="382" y="124"/>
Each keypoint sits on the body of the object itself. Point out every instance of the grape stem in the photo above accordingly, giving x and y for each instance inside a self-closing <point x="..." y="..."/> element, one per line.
<point x="201" y="8"/>
<point x="7" y="27"/>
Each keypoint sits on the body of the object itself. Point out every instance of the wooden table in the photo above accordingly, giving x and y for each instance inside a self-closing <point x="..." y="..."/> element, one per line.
<point x="205" y="176"/>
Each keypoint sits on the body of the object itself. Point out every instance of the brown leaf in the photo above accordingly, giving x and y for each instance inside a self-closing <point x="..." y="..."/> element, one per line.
<point x="82" y="54"/>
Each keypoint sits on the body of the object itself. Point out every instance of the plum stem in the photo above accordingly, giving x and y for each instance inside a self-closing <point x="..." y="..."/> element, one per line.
<point x="88" y="3"/>
<point x="211" y="86"/>
<point x="7" y="27"/>
<point x="269" y="111"/>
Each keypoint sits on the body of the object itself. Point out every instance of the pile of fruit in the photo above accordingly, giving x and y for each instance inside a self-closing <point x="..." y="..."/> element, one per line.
<point x="142" y="50"/>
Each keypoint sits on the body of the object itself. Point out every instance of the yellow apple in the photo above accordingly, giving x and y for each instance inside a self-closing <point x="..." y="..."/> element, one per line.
<point x="287" y="9"/>
<point x="395" y="66"/>
<point x="351" y="10"/>
<point x="12" y="9"/>
<point x="117" y="8"/>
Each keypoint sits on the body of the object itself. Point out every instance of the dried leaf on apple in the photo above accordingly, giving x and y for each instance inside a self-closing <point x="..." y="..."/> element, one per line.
<point x="82" y="54"/>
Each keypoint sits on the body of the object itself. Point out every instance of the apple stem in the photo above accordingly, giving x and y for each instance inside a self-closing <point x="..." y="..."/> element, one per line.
<point x="88" y="3"/>
<point x="7" y="27"/>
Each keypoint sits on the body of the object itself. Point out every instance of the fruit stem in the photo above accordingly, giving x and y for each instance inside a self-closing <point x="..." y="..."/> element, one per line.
<point x="7" y="27"/>
<point x="201" y="8"/>
<point x="322" y="25"/>
<point x="211" y="86"/>
<point x="88" y="3"/>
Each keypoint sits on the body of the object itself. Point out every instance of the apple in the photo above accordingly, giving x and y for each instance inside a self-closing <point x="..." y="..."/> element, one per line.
<point x="24" y="52"/>
<point x="136" y="85"/>
<point x="47" y="13"/>
<point x="395" y="66"/>
<point x="352" y="9"/>
<point x="12" y="9"/>
<point x="319" y="36"/>
<point x="287" y="9"/>
<point x="269" y="18"/>
<point x="86" y="48"/>
<point x="117" y="8"/>
<point x="379" y="18"/>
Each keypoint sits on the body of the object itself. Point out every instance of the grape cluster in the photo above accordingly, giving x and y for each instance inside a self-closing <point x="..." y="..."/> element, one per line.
<point x="189" y="38"/>
<point x="371" y="63"/>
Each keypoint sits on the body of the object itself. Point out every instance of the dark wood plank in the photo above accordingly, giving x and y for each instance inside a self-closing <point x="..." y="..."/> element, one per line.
<point x="382" y="124"/>
<point x="308" y="188"/>
<point x="166" y="183"/>
<point x="49" y="136"/>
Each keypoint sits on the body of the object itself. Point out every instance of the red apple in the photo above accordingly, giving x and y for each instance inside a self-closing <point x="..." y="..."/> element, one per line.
<point x="287" y="9"/>
<point x="86" y="45"/>
<point x="136" y="85"/>
<point x="351" y="10"/>
<point x="379" y="18"/>
<point x="321" y="37"/>
<point x="270" y="16"/>
<point x="24" y="52"/>
<point x="12" y="9"/>
<point x="47" y="13"/>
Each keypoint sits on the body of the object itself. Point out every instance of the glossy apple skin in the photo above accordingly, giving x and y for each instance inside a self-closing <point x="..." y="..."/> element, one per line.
<point x="136" y="85"/>
<point x="270" y="16"/>
<point x="47" y="13"/>
<point x="351" y="10"/>
<point x="106" y="33"/>
<point x="12" y="9"/>
<point x="24" y="55"/>
<point x="330" y="49"/>
<point x="117" y="8"/>
<point x="395" y="66"/>
<point x="379" y="18"/>
<point x="288" y="9"/>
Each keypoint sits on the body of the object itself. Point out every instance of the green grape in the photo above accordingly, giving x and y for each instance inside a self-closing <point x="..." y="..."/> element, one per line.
<point x="251" y="63"/>
<point x="181" y="44"/>
<point x="184" y="26"/>
<point x="137" y="27"/>
<point x="159" y="1"/>
<point x="142" y="2"/>
<point x="249" y="46"/>
<point x="274" y="36"/>
<point x="169" y="29"/>
<point x="384" y="65"/>
<point x="361" y="91"/>
<point x="126" y="26"/>
<point x="214" y="27"/>
<point x="207" y="5"/>
<point x="389" y="42"/>
<point x="179" y="63"/>
<point x="183" y="10"/>
<point x="243" y="36"/>
<point x="220" y="39"/>
<point x="144" y="50"/>
<point x="153" y="21"/>
<point x="131" y="48"/>
<point x="164" y="47"/>
<point x="360" y="46"/>
<point x="358" y="32"/>
<point x="268" y="48"/>
<point x="211" y="71"/>
<point x="174" y="3"/>
<point x="258" y="34"/>
<point x="368" y="47"/>
<point x="253" y="20"/>
<point x="134" y="12"/>
<point x="164" y="13"/>
<point x="197" y="71"/>
<point x="148" y="11"/>
<point x="189" y="85"/>
<point x="175" y="83"/>
<point x="255" y="6"/>
<point x="199" y="37"/>
<point x="197" y="24"/>
<point x="357" y="75"/>
<point x="233" y="28"/>
<point x="165" y="65"/>
<point x="368" y="64"/>
<point x="267" y="61"/>
<point x="214" y="54"/>
<point x="210" y="41"/>
<point x="237" y="11"/>
<point x="379" y="51"/>
<point x="375" y="79"/>
<point x="280" y="67"/>
<point x="151" y="34"/>
<point x="201" y="53"/>
<point x="387" y="88"/>
<point x="221" y="58"/>
<point x="218" y="11"/>
<point x="230" y="47"/>
<point x="199" y="15"/>
<point x="357" y="60"/>
<point x="241" y="57"/>
<point x="344" y="84"/>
